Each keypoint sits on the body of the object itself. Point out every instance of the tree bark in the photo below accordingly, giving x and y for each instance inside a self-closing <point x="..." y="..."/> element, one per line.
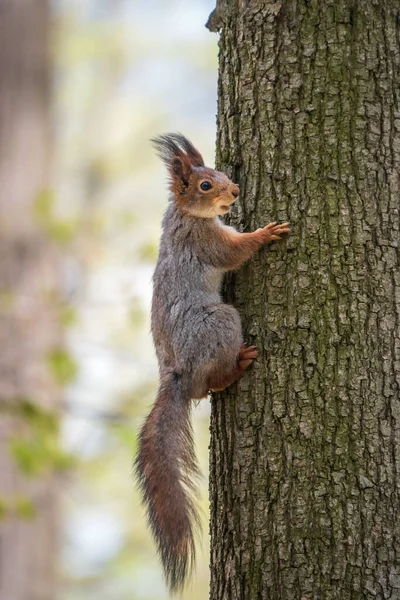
<point x="29" y="278"/>
<point x="305" y="449"/>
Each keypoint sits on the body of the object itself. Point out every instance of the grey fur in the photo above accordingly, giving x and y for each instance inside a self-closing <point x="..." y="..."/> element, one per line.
<point x="195" y="333"/>
<point x="198" y="341"/>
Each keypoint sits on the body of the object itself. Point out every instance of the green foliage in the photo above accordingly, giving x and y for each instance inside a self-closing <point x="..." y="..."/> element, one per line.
<point x="36" y="456"/>
<point x="36" y="416"/>
<point x="60" y="231"/>
<point x="20" y="505"/>
<point x="43" y="206"/>
<point x="148" y="252"/>
<point x="93" y="42"/>
<point x="7" y="298"/>
<point x="36" y="449"/>
<point x="125" y="219"/>
<point x="68" y="315"/>
<point x="3" y="509"/>
<point x="26" y="456"/>
<point x="25" y="508"/>
<point x="126" y="435"/>
<point x="62" y="365"/>
<point x="136" y="314"/>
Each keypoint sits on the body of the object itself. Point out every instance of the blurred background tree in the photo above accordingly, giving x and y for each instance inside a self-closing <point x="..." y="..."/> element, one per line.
<point x="31" y="358"/>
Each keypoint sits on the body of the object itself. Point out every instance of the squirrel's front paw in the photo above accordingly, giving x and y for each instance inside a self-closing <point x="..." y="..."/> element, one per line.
<point x="273" y="232"/>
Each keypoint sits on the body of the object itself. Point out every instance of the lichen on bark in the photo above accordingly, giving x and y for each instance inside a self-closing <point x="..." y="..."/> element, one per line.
<point x="305" y="450"/>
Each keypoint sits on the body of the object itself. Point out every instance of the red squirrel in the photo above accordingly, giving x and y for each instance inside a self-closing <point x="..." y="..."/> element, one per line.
<point x="198" y="341"/>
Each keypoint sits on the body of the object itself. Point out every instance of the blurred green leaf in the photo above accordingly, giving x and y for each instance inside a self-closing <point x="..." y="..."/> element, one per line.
<point x="63" y="461"/>
<point x="136" y="314"/>
<point x="62" y="231"/>
<point x="24" y="507"/>
<point x="26" y="457"/>
<point x="126" y="435"/>
<point x="59" y="230"/>
<point x="43" y="206"/>
<point x="3" y="509"/>
<point x="62" y="365"/>
<point x="149" y="251"/>
<point x="125" y="219"/>
<point x="37" y="416"/>
<point x="93" y="42"/>
<point x="35" y="456"/>
<point x="36" y="448"/>
<point x="7" y="298"/>
<point x="68" y="315"/>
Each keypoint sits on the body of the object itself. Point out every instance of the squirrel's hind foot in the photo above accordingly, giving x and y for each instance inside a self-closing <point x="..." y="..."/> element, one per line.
<point x="246" y="356"/>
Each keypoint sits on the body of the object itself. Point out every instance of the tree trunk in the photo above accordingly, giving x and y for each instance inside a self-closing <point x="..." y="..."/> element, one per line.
<point x="305" y="449"/>
<point x="28" y="276"/>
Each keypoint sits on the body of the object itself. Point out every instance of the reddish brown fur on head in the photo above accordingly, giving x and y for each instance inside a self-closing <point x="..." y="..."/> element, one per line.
<point x="197" y="189"/>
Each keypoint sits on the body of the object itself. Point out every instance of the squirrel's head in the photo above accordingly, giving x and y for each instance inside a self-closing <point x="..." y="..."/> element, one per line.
<point x="197" y="189"/>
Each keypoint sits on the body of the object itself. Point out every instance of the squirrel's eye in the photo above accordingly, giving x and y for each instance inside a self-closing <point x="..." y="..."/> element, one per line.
<point x="205" y="186"/>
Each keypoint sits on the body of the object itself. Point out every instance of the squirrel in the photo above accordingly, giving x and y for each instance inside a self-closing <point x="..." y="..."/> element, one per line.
<point x="198" y="341"/>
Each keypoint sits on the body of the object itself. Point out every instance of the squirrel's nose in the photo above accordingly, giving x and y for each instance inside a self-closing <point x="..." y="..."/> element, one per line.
<point x="235" y="191"/>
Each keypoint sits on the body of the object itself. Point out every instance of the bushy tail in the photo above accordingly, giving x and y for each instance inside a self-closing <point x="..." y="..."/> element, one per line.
<point x="166" y="468"/>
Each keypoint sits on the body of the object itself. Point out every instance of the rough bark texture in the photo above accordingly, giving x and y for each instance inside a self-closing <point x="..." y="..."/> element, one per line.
<point x="28" y="279"/>
<point x="305" y="449"/>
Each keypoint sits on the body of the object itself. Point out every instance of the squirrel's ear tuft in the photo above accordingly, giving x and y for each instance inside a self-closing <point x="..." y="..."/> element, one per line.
<point x="173" y="145"/>
<point x="180" y="156"/>
<point x="194" y="155"/>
